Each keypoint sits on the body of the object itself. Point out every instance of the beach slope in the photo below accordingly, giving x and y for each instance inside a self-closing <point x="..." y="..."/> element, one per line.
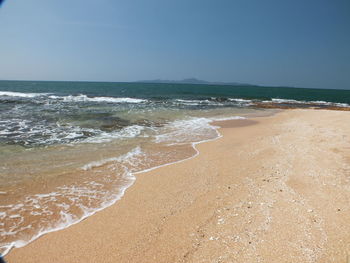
<point x="275" y="189"/>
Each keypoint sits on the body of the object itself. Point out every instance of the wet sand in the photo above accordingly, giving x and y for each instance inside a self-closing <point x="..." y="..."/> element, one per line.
<point x="273" y="190"/>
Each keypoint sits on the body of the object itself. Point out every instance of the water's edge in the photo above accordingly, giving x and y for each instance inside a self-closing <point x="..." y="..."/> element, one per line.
<point x="132" y="178"/>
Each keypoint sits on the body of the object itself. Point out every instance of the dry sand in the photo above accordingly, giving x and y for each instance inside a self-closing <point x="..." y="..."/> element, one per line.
<point x="277" y="190"/>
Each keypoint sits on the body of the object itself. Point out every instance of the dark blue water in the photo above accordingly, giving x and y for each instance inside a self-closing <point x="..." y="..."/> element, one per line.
<point x="176" y="91"/>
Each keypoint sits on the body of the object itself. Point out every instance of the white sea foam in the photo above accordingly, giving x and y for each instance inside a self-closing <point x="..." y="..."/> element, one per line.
<point x="244" y="102"/>
<point x="228" y="118"/>
<point x="84" y="98"/>
<point x="189" y="130"/>
<point x="56" y="133"/>
<point x="117" y="100"/>
<point x="185" y="131"/>
<point x="130" y="155"/>
<point x="318" y="102"/>
<point x="196" y="102"/>
<point x="127" y="132"/>
<point x="286" y="101"/>
<point x="21" y="94"/>
<point x="330" y="103"/>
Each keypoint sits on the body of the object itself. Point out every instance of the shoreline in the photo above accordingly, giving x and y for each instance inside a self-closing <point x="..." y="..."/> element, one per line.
<point x="132" y="176"/>
<point x="167" y="238"/>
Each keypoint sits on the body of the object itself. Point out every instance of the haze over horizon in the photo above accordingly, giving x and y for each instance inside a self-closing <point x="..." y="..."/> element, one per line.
<point x="272" y="43"/>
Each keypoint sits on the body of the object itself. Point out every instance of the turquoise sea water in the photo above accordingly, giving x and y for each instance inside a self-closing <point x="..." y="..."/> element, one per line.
<point x="173" y="91"/>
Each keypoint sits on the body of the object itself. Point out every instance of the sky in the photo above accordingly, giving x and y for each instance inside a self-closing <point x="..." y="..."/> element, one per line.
<point x="301" y="43"/>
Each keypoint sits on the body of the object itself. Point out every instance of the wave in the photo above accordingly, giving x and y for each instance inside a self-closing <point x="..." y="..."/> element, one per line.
<point x="189" y="130"/>
<point x="336" y="104"/>
<point x="228" y="118"/>
<point x="84" y="98"/>
<point x="72" y="98"/>
<point x="213" y="101"/>
<point x="21" y="94"/>
<point x="75" y="194"/>
<point x="303" y="102"/>
<point x="194" y="102"/>
<point x="27" y="132"/>
<point x="125" y="133"/>
<point x="66" y="219"/>
<point x="242" y="101"/>
<point x="130" y="156"/>
<point x="184" y="131"/>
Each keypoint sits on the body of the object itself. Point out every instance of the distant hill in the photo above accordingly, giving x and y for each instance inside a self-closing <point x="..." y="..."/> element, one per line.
<point x="193" y="81"/>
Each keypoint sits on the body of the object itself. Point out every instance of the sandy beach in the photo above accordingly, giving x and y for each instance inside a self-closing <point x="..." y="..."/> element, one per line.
<point x="271" y="189"/>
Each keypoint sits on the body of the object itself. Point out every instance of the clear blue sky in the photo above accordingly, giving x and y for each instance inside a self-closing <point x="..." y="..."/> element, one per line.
<point x="304" y="43"/>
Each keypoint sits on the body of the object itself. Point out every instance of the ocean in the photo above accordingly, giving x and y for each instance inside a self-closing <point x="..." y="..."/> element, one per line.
<point x="70" y="149"/>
